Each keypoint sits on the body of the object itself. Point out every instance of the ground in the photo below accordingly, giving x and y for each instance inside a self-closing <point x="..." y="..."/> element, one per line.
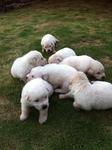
<point x="85" y="26"/>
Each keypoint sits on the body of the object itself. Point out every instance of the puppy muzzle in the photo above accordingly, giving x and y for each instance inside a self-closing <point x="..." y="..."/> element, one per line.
<point x="44" y="107"/>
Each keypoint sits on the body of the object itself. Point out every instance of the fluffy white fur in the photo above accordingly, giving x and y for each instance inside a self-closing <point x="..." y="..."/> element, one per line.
<point x="36" y="94"/>
<point x="58" y="75"/>
<point x="48" y="43"/>
<point x="86" y="64"/>
<point x="60" y="55"/>
<point x="23" y="65"/>
<point x="89" y="96"/>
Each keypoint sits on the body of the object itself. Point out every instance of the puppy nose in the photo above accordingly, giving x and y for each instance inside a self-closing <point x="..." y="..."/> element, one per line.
<point x="44" y="107"/>
<point x="49" y="50"/>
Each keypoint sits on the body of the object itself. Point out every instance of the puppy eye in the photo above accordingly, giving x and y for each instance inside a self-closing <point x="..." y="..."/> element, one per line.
<point x="32" y="76"/>
<point x="37" y="100"/>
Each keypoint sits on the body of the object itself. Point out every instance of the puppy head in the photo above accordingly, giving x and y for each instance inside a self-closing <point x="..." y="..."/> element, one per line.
<point x="97" y="70"/>
<point x="41" y="102"/>
<point x="55" y="59"/>
<point x="35" y="73"/>
<point x="41" y="61"/>
<point x="33" y="61"/>
<point x="37" y="60"/>
<point x="49" y="48"/>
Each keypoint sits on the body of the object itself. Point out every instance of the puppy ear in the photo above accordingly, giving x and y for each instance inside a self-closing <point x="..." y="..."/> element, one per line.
<point x="59" y="59"/>
<point x="57" y="43"/>
<point x="90" y="71"/>
<point x="33" y="61"/>
<point x="45" y="76"/>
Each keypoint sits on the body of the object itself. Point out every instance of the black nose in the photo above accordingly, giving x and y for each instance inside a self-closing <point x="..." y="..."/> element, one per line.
<point x="44" y="106"/>
<point x="49" y="50"/>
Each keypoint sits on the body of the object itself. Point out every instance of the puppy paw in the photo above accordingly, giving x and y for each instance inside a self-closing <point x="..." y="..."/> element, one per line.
<point x="23" y="117"/>
<point x="76" y="106"/>
<point x="57" y="90"/>
<point x="61" y="96"/>
<point x="42" y="120"/>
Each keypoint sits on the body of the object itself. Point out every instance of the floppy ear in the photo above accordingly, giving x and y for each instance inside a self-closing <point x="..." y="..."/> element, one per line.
<point x="33" y="61"/>
<point x="59" y="59"/>
<point x="57" y="43"/>
<point x="53" y="48"/>
<point x="45" y="76"/>
<point x="90" y="71"/>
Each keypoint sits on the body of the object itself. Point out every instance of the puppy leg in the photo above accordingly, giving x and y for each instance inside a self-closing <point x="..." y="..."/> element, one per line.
<point x="24" y="112"/>
<point x="43" y="114"/>
<point x="63" y="89"/>
<point x="78" y="106"/>
<point x="63" y="96"/>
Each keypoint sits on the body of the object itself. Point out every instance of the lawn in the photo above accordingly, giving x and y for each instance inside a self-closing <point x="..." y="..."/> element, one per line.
<point x="85" y="26"/>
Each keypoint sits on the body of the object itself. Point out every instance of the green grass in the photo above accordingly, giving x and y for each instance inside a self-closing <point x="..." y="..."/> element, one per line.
<point x="85" y="26"/>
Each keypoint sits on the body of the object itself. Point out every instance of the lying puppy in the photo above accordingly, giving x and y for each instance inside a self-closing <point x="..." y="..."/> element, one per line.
<point x="87" y="65"/>
<point x="57" y="75"/>
<point x="89" y="96"/>
<point x="60" y="55"/>
<point x="23" y="65"/>
<point x="36" y="93"/>
<point x="48" y="43"/>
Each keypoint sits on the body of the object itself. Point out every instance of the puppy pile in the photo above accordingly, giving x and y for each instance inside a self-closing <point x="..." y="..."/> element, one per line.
<point x="65" y="73"/>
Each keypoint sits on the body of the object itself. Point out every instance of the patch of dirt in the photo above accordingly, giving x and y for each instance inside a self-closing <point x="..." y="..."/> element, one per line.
<point x="106" y="60"/>
<point x="88" y="43"/>
<point x="24" y="18"/>
<point x="44" y="25"/>
<point x="7" y="110"/>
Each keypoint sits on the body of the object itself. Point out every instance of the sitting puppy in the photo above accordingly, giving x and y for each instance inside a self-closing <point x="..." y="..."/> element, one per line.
<point x="23" y="65"/>
<point x="57" y="75"/>
<point x="89" y="96"/>
<point x="87" y="65"/>
<point x="48" y="43"/>
<point x="60" y="55"/>
<point x="36" y="93"/>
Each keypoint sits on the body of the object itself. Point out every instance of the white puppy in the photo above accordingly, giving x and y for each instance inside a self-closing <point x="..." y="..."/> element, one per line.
<point x="36" y="93"/>
<point x="89" y="96"/>
<point x="60" y="55"/>
<point x="48" y="43"/>
<point x="23" y="65"/>
<point x="58" y="75"/>
<point x="86" y="64"/>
